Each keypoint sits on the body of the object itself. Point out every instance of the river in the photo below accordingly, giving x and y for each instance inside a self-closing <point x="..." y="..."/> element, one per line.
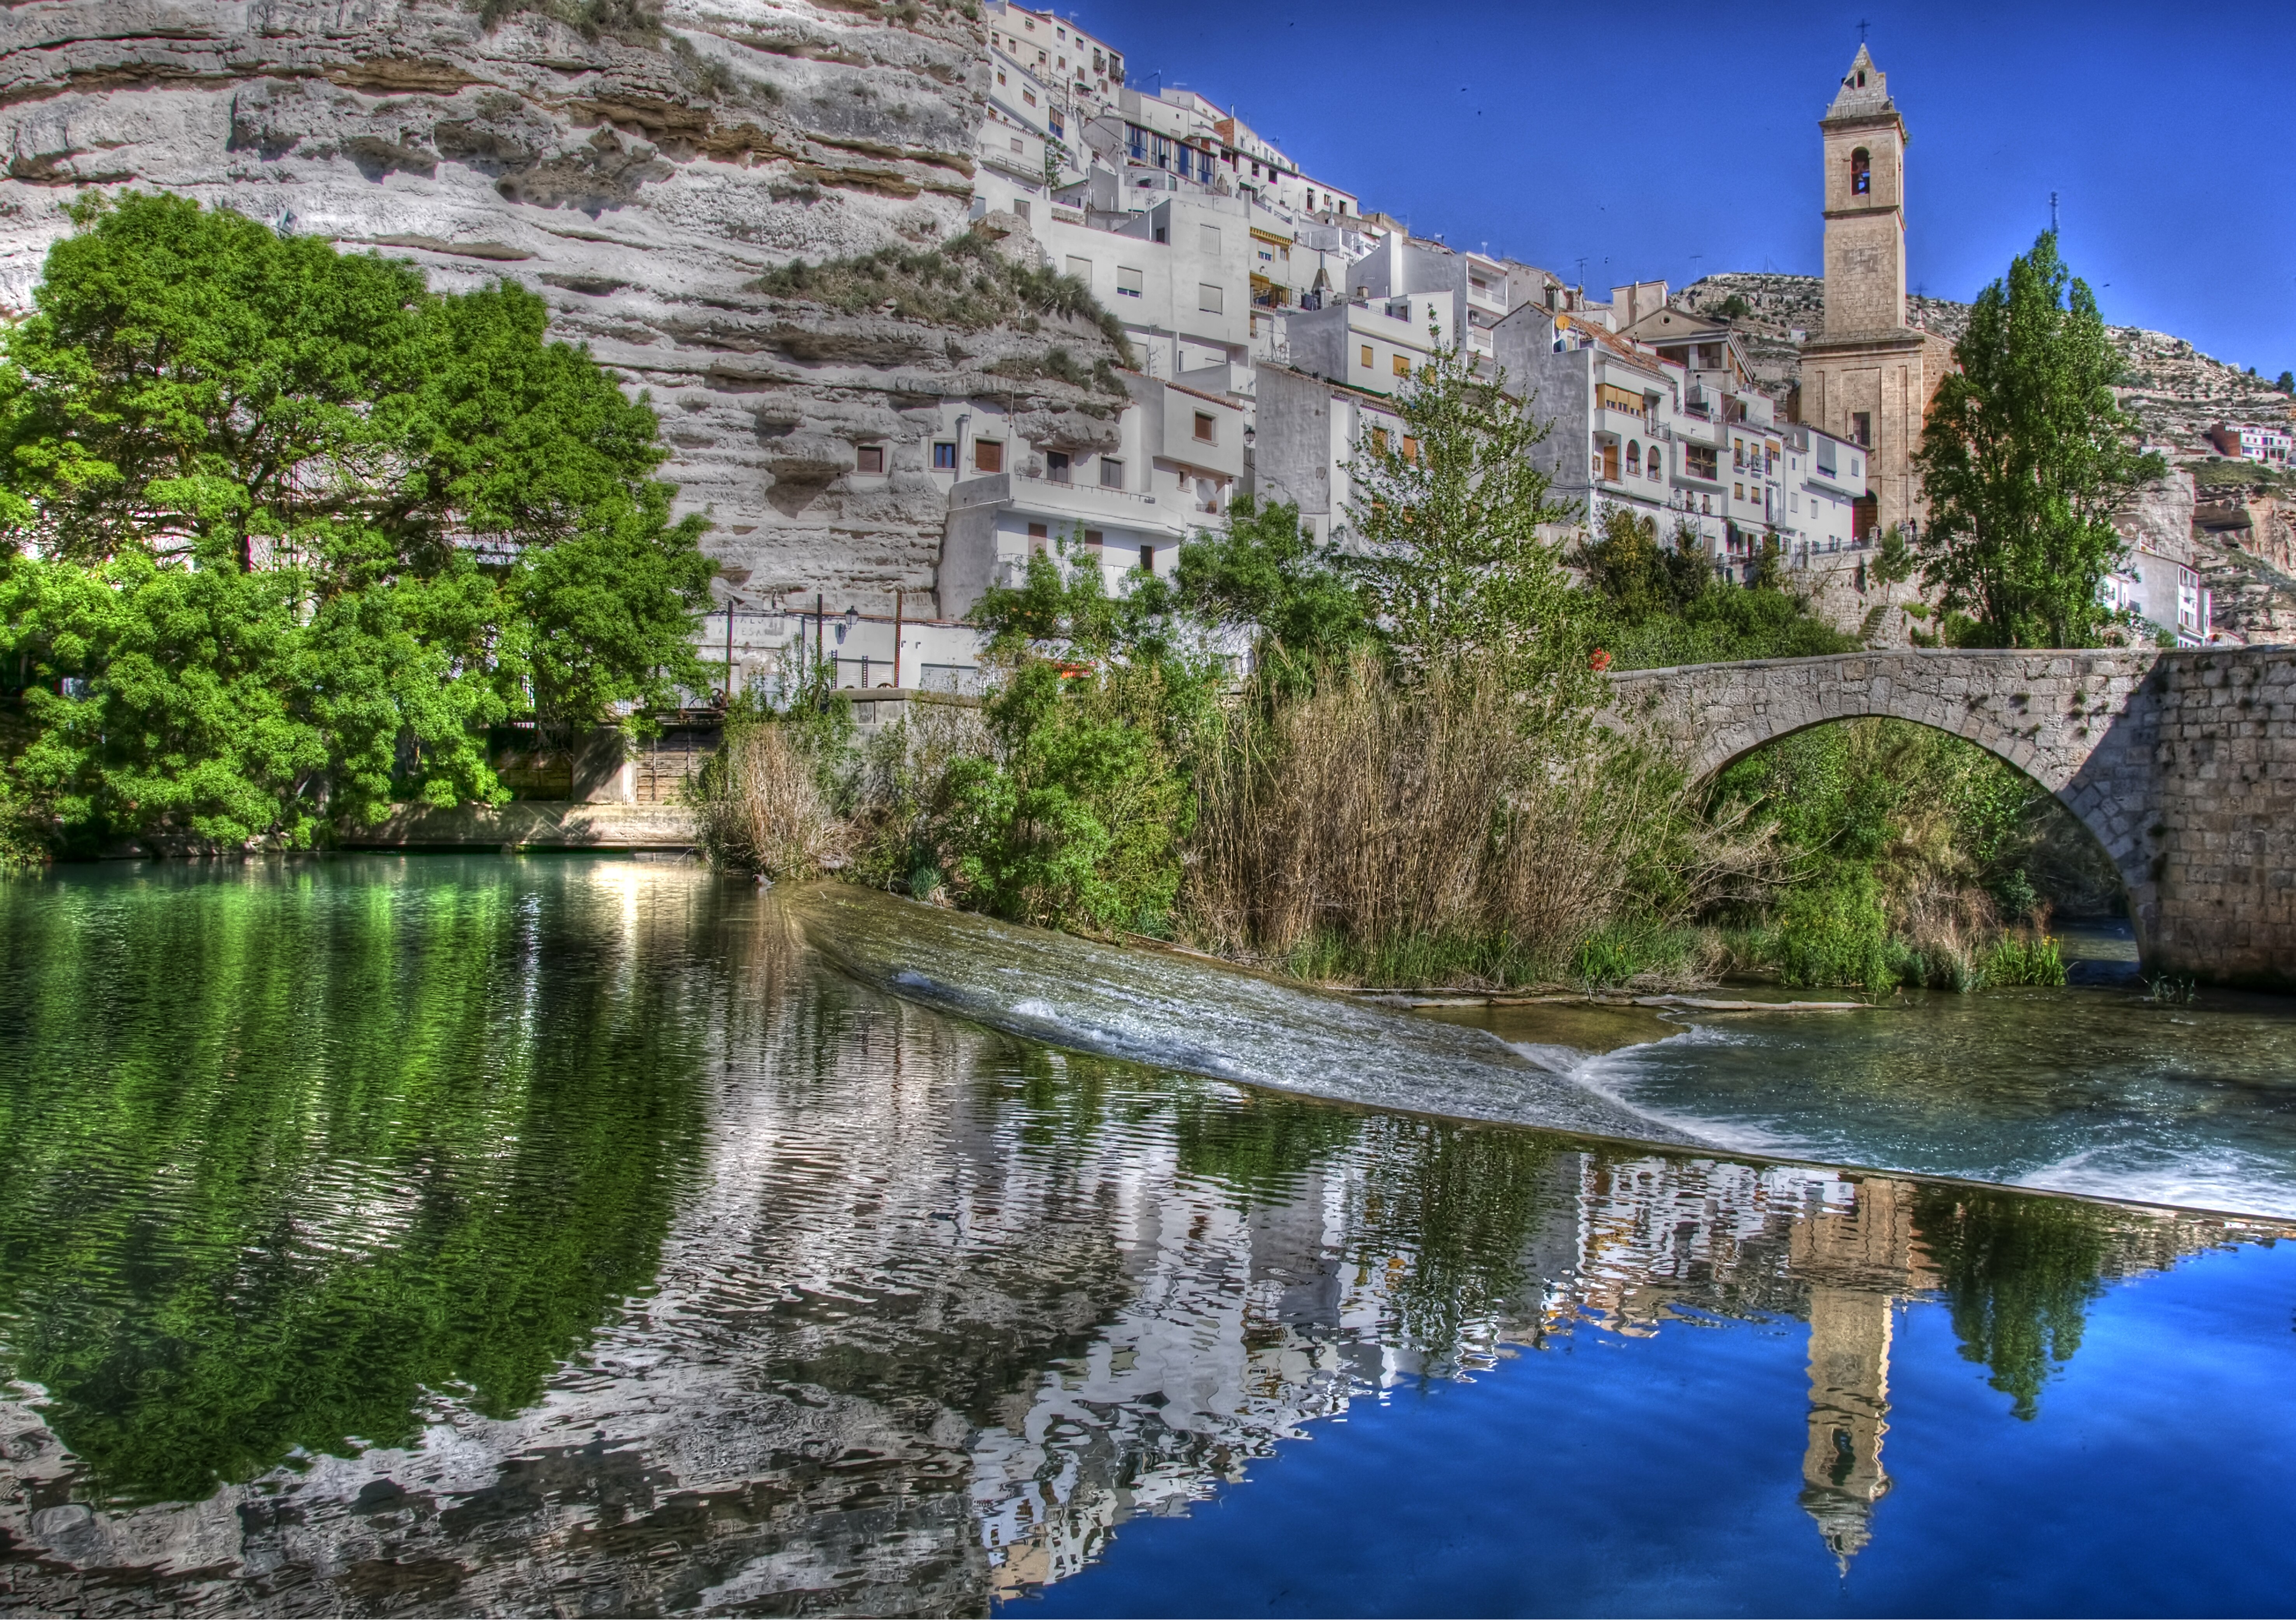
<point x="442" y="1235"/>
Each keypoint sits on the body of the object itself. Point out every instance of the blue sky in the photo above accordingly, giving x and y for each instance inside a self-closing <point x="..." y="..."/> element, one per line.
<point x="1636" y="138"/>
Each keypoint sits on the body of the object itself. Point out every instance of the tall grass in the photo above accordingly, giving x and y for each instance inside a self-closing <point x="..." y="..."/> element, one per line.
<point x="1424" y="835"/>
<point x="765" y="807"/>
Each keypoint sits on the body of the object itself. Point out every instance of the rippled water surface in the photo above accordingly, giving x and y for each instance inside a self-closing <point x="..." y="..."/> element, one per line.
<point x="583" y="1236"/>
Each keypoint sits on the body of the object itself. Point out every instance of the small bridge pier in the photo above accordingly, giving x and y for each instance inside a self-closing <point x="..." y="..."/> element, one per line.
<point x="2182" y="765"/>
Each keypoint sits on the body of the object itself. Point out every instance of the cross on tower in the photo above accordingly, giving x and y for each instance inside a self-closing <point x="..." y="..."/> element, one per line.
<point x="1861" y="31"/>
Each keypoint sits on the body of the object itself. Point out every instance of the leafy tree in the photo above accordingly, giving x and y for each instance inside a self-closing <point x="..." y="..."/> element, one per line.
<point x="1264" y="572"/>
<point x="1078" y="816"/>
<point x="285" y="533"/>
<point x="1453" y="519"/>
<point x="2287" y="382"/>
<point x="1660" y="603"/>
<point x="2024" y="458"/>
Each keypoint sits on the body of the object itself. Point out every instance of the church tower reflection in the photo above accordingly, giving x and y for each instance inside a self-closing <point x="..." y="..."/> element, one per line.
<point x="1859" y="1261"/>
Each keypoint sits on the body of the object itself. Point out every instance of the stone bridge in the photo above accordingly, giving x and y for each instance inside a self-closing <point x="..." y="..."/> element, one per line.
<point x="2182" y="765"/>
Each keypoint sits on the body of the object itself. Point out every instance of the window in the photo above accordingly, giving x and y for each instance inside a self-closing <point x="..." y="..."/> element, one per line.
<point x="1737" y="492"/>
<point x="1021" y="209"/>
<point x="1111" y="473"/>
<point x="1634" y="458"/>
<point x="1206" y="429"/>
<point x="1056" y="466"/>
<point x="1656" y="463"/>
<point x="1055" y="122"/>
<point x="1410" y="448"/>
<point x="1826" y="463"/>
<point x="1366" y="354"/>
<point x="1861" y="172"/>
<point x="1128" y="282"/>
<point x="1861" y="429"/>
<point x="1147" y="558"/>
<point x="1738" y="457"/>
<point x="1208" y="237"/>
<point x="988" y="455"/>
<point x="1000" y="76"/>
<point x="869" y="458"/>
<point x="1208" y="298"/>
<point x="1092" y="541"/>
<point x="1700" y="461"/>
<point x="1080" y="269"/>
<point x="1403" y="365"/>
<point x="1039" y="540"/>
<point x="1610" y="461"/>
<point x="1378" y="440"/>
<point x="1016" y="142"/>
<point x="1028" y="98"/>
<point x="944" y="458"/>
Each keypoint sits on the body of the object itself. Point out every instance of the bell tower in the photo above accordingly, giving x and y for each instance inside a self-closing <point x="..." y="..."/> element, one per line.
<point x="1865" y="141"/>
<point x="1867" y="376"/>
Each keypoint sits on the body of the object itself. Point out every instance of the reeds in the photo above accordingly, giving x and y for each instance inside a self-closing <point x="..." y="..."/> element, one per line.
<point x="1427" y="834"/>
<point x="764" y="808"/>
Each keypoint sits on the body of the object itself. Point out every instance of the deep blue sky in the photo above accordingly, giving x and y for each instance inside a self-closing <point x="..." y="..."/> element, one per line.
<point x="1642" y="135"/>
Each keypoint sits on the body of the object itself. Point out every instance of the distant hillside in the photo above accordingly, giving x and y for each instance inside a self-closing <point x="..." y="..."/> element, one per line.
<point x="2176" y="391"/>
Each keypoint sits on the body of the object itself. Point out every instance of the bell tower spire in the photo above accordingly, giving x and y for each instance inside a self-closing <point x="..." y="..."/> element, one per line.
<point x="1867" y="375"/>
<point x="1864" y="145"/>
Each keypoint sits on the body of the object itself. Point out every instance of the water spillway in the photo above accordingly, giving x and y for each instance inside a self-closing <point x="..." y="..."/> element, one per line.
<point x="1167" y="1009"/>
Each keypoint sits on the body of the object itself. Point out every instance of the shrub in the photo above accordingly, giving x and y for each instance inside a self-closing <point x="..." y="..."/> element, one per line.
<point x="966" y="282"/>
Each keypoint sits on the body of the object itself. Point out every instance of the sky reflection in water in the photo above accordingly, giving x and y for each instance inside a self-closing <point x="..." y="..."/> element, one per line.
<point x="434" y="1236"/>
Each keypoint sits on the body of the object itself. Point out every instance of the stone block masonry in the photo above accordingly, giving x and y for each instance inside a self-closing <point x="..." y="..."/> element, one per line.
<point x="2182" y="765"/>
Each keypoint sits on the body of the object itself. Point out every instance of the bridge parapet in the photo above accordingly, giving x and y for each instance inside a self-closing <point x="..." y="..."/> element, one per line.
<point x="2182" y="765"/>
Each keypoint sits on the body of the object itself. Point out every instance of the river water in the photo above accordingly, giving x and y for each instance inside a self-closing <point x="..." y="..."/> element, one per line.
<point x="590" y="1236"/>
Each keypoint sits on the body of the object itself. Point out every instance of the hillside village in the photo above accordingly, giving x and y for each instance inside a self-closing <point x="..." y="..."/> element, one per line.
<point x="1271" y="319"/>
<point x="819" y="238"/>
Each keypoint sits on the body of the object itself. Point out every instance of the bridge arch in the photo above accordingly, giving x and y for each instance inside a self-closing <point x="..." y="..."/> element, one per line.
<point x="2079" y="724"/>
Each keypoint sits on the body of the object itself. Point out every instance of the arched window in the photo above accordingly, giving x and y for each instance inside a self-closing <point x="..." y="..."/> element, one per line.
<point x="1634" y="458"/>
<point x="1861" y="172"/>
<point x="1657" y="464"/>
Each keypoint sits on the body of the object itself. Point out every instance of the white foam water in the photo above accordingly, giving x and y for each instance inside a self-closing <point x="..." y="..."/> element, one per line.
<point x="1184" y="1012"/>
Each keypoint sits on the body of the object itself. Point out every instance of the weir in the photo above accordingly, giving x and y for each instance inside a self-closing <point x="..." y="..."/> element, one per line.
<point x="2181" y="763"/>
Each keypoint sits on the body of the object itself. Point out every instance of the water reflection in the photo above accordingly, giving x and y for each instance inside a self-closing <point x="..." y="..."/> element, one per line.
<point x="532" y="1236"/>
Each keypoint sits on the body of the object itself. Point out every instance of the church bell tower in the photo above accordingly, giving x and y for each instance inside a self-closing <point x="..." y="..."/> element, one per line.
<point x="1864" y="143"/>
<point x="1867" y="376"/>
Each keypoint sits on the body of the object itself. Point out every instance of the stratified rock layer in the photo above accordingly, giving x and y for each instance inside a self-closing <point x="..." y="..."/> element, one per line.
<point x="638" y="182"/>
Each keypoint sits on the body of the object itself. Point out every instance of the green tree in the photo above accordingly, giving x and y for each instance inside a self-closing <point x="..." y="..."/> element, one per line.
<point x="2024" y="458"/>
<point x="1454" y="522"/>
<point x="1657" y="603"/>
<point x="1077" y="817"/>
<point x="1266" y="573"/>
<point x="285" y="533"/>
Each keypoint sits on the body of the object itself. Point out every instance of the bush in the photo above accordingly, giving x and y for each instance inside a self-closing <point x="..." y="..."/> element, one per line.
<point x="966" y="283"/>
<point x="772" y="798"/>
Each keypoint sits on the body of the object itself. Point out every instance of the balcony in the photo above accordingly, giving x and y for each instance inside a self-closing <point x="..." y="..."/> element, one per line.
<point x="1055" y="500"/>
<point x="1491" y="300"/>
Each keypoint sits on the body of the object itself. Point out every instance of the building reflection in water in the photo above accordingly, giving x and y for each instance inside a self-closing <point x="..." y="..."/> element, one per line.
<point x="939" y="1311"/>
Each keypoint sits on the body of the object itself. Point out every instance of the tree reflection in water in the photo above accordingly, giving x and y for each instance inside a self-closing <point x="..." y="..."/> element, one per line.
<point x="512" y="1236"/>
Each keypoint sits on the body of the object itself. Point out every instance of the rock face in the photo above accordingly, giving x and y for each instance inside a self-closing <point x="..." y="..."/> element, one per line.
<point x="636" y="168"/>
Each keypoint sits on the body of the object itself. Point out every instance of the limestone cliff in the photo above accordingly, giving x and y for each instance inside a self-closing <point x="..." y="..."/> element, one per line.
<point x="637" y="166"/>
